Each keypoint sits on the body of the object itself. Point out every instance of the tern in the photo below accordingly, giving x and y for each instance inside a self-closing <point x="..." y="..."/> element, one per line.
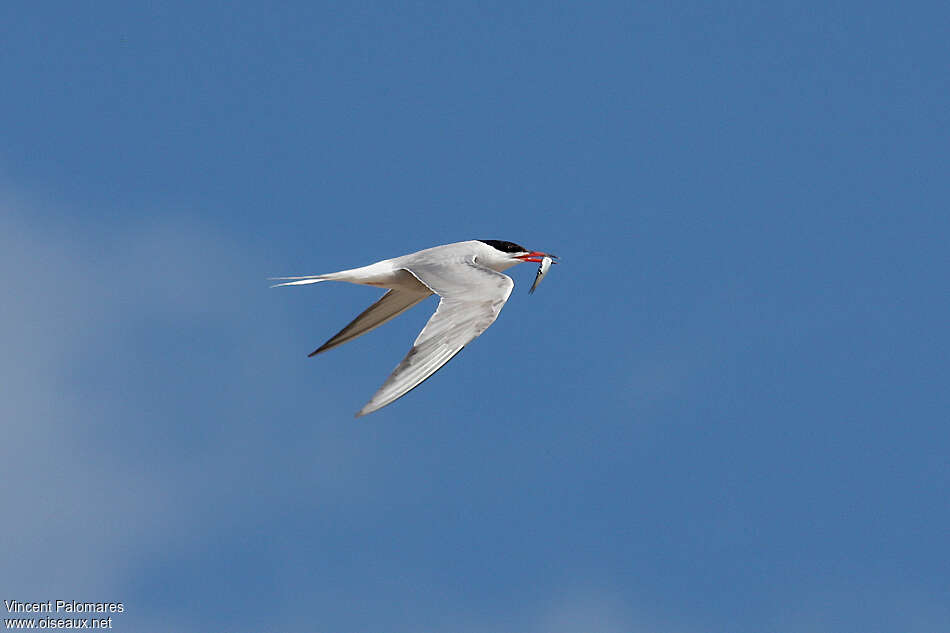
<point x="468" y="278"/>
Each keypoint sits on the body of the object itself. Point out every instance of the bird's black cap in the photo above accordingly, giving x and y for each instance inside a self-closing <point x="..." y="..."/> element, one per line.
<point x="505" y="247"/>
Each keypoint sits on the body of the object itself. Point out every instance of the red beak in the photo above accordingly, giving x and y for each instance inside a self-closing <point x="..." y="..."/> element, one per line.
<point x="534" y="256"/>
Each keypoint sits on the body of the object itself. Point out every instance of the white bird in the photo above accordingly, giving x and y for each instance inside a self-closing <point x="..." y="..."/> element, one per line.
<point x="472" y="289"/>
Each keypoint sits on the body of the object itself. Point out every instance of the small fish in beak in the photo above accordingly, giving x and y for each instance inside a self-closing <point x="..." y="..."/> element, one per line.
<point x="543" y="268"/>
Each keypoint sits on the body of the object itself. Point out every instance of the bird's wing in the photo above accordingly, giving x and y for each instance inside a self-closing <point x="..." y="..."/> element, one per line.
<point x="389" y="306"/>
<point x="471" y="298"/>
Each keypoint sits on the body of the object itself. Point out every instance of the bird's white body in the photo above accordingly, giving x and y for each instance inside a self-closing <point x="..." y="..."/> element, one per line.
<point x="468" y="278"/>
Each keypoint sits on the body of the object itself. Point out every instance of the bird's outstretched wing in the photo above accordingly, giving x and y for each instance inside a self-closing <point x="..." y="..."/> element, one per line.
<point x="389" y="306"/>
<point x="471" y="298"/>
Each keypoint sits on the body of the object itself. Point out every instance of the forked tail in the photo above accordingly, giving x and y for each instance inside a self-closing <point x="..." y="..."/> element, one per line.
<point x="298" y="281"/>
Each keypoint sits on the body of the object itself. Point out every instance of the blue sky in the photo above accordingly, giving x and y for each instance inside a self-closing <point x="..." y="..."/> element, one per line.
<point x="726" y="411"/>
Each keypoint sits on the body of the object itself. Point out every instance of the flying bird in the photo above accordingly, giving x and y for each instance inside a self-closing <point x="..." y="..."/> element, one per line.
<point x="468" y="278"/>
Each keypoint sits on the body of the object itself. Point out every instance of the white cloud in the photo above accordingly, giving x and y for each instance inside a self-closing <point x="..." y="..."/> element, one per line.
<point x="580" y="611"/>
<point x="72" y="508"/>
<point x="90" y="490"/>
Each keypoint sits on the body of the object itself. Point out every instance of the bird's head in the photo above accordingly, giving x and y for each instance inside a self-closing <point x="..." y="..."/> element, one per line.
<point x="508" y="254"/>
